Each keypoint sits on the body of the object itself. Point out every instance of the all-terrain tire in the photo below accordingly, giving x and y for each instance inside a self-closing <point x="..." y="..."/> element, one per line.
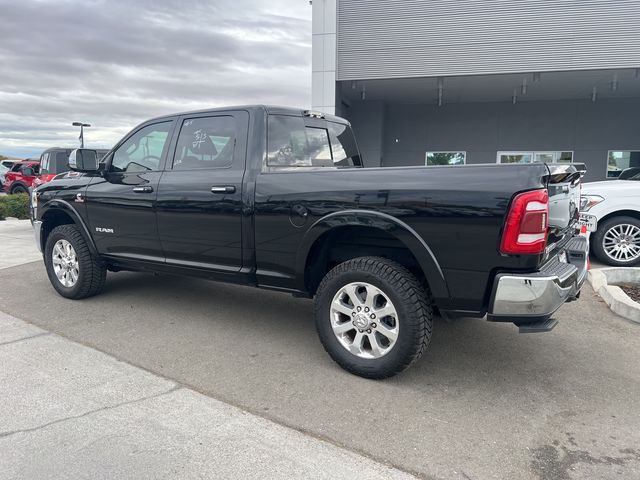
<point x="408" y="296"/>
<point x="91" y="272"/>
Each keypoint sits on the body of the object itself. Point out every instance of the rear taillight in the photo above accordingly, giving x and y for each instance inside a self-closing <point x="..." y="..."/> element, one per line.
<point x="525" y="231"/>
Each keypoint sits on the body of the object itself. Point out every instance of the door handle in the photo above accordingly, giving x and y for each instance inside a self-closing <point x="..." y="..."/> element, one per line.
<point x="223" y="189"/>
<point x="145" y="189"/>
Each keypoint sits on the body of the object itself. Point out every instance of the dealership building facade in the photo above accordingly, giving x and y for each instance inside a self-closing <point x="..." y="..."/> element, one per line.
<point x="483" y="81"/>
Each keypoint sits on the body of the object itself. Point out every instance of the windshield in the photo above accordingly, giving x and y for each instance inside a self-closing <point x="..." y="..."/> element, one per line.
<point x="632" y="173"/>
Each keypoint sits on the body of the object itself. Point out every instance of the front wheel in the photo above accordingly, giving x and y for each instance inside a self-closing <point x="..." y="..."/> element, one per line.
<point x="373" y="317"/>
<point x="71" y="268"/>
<point x="617" y="241"/>
<point x="19" y="189"/>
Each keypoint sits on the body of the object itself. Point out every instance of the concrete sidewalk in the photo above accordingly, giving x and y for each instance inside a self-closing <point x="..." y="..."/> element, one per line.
<point x="69" y="411"/>
<point x="17" y="243"/>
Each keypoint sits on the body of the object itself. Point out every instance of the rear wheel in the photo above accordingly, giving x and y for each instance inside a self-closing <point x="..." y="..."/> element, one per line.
<point x="373" y="317"/>
<point x="617" y="241"/>
<point x="71" y="268"/>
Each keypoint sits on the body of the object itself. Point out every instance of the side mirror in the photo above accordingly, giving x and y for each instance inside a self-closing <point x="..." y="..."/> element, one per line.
<point x="28" y="172"/>
<point x="83" y="160"/>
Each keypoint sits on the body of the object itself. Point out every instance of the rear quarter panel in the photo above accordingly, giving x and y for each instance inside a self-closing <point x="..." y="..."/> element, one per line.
<point x="458" y="211"/>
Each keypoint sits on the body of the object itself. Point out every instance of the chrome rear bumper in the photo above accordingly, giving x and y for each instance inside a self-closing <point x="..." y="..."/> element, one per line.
<point x="533" y="297"/>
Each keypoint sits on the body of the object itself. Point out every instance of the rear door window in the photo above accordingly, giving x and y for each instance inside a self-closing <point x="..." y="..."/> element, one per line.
<point x="206" y="142"/>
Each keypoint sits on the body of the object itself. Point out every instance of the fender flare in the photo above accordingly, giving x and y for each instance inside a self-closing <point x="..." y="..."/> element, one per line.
<point x="382" y="221"/>
<point x="66" y="207"/>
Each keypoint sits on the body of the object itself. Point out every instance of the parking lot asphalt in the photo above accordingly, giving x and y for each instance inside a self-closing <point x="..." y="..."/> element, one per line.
<point x="484" y="401"/>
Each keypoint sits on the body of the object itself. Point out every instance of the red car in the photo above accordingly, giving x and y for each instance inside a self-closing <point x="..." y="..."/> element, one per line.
<point x="21" y="176"/>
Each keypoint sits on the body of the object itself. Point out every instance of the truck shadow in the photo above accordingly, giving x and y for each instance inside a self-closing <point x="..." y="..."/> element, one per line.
<point x="462" y="350"/>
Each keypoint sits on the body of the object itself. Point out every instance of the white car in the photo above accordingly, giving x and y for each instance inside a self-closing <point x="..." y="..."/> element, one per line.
<point x="5" y="166"/>
<point x="616" y="206"/>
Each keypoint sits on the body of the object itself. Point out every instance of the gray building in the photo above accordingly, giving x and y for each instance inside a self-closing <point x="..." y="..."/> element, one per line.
<point x="478" y="81"/>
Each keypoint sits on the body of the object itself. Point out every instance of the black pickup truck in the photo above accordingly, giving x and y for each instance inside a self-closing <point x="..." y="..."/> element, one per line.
<point x="277" y="198"/>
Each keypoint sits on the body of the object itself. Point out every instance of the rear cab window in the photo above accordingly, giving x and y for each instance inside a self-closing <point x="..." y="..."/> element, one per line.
<point x="293" y="143"/>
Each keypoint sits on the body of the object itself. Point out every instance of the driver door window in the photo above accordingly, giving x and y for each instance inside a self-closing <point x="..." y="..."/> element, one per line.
<point x="143" y="151"/>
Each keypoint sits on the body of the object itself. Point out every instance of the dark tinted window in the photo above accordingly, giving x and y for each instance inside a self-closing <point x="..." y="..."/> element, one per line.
<point x="343" y="146"/>
<point x="142" y="151"/>
<point x="29" y="169"/>
<point x="292" y="144"/>
<point x="206" y="142"/>
<point x="62" y="162"/>
<point x="632" y="173"/>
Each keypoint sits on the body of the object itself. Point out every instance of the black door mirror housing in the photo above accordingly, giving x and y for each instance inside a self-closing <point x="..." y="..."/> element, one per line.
<point x="83" y="160"/>
<point x="28" y="172"/>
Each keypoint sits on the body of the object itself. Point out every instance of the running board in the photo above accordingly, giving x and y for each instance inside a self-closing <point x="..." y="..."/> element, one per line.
<point x="538" y="327"/>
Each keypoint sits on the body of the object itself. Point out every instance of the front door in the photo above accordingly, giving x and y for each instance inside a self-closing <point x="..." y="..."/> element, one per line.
<point x="121" y="203"/>
<point x="200" y="194"/>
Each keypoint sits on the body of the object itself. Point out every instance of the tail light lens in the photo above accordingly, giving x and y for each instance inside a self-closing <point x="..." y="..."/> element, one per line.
<point x="525" y="231"/>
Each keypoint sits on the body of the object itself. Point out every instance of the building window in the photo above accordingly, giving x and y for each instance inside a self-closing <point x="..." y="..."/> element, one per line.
<point x="619" y="160"/>
<point x="445" y="158"/>
<point x="535" y="157"/>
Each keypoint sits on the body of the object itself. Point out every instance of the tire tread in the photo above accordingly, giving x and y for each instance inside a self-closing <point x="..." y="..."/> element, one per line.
<point x="94" y="272"/>
<point x="418" y="302"/>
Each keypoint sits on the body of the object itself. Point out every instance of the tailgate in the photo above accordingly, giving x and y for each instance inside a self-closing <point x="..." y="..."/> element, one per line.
<point x="563" y="184"/>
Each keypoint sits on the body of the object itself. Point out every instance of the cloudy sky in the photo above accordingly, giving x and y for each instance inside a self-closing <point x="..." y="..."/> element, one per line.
<point x="115" y="63"/>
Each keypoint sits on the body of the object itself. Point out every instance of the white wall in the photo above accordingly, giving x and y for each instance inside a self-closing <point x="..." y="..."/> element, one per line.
<point x="323" y="83"/>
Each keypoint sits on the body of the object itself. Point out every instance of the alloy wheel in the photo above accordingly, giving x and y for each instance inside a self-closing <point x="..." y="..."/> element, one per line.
<point x="364" y="320"/>
<point x="622" y="242"/>
<point x="65" y="263"/>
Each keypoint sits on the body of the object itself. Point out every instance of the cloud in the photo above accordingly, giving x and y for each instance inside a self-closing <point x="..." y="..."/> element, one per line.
<point x="116" y="63"/>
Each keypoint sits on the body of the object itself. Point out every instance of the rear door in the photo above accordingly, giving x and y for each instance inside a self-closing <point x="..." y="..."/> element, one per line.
<point x="120" y="204"/>
<point x="200" y="195"/>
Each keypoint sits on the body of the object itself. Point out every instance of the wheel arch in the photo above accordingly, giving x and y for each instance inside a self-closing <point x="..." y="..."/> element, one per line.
<point x="17" y="183"/>
<point x="324" y="234"/>
<point x="59" y="212"/>
<point x="620" y="213"/>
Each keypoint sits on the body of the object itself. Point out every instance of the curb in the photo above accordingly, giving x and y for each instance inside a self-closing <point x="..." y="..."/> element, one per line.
<point x="618" y="301"/>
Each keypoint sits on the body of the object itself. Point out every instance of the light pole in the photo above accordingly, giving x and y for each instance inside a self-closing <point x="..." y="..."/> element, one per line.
<point x="81" y="137"/>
